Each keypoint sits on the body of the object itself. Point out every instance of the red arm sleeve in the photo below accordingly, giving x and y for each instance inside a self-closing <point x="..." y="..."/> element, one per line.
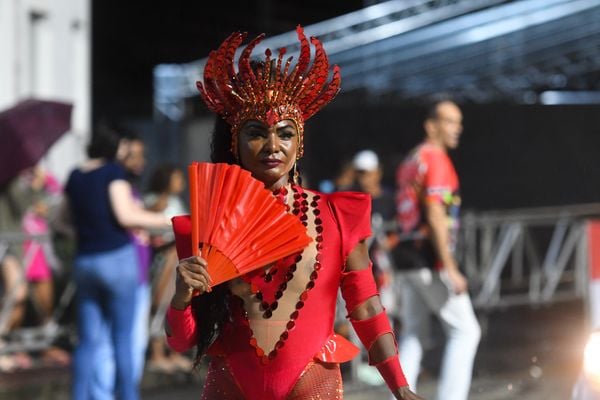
<point x="357" y="287"/>
<point x="181" y="322"/>
<point x="183" y="329"/>
<point x="353" y="215"/>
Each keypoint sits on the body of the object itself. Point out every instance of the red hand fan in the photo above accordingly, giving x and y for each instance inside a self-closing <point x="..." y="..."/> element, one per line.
<point x="237" y="224"/>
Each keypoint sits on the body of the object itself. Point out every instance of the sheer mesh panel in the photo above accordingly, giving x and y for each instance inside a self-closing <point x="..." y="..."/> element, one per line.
<point x="319" y="381"/>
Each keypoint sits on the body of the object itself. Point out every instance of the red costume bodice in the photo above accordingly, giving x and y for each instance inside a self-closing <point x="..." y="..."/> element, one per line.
<point x="282" y="316"/>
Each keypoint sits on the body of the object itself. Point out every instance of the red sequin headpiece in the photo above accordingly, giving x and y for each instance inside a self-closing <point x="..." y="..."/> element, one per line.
<point x="268" y="94"/>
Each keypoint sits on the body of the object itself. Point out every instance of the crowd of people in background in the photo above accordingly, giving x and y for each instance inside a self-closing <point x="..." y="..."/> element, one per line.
<point x="38" y="251"/>
<point x="29" y="261"/>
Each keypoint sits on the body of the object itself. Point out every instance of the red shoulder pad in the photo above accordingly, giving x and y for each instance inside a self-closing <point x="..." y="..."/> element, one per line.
<point x="352" y="211"/>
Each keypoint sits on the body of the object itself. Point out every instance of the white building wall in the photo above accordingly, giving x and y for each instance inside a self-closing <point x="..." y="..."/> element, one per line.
<point x="45" y="48"/>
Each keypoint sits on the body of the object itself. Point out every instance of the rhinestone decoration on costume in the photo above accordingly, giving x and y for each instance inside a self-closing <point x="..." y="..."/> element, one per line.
<point x="271" y="93"/>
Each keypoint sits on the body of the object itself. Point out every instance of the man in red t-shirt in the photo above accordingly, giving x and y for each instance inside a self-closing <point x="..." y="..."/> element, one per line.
<point x="427" y="205"/>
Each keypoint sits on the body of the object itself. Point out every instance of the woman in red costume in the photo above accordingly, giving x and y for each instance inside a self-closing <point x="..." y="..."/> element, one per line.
<point x="269" y="334"/>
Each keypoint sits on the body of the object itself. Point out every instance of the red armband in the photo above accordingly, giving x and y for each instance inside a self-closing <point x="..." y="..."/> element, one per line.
<point x="183" y="328"/>
<point x="357" y="287"/>
<point x="369" y="330"/>
<point x="392" y="373"/>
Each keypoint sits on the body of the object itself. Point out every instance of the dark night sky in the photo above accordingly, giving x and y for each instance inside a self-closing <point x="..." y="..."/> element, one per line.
<point x="131" y="37"/>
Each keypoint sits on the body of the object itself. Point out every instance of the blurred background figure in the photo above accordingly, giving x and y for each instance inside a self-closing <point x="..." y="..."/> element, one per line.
<point x="165" y="188"/>
<point x="15" y="198"/>
<point x="28" y="127"/>
<point x="369" y="179"/>
<point x="368" y="173"/>
<point x="131" y="156"/>
<point x="106" y="269"/>
<point x="29" y="268"/>
<point x="428" y="204"/>
<point x="343" y="179"/>
<point x="41" y="262"/>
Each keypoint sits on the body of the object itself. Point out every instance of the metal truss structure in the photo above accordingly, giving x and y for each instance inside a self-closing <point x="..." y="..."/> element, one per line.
<point x="531" y="256"/>
<point x="521" y="257"/>
<point x="480" y="50"/>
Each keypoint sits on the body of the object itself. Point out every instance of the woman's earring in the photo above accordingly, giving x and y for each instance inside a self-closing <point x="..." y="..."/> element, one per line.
<point x="296" y="176"/>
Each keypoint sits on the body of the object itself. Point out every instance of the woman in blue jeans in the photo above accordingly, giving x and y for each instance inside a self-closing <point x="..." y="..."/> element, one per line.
<point x="102" y="209"/>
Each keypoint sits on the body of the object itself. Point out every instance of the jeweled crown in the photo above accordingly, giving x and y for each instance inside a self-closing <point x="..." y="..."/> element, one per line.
<point x="271" y="92"/>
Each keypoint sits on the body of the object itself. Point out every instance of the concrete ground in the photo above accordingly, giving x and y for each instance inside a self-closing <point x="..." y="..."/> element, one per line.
<point x="526" y="353"/>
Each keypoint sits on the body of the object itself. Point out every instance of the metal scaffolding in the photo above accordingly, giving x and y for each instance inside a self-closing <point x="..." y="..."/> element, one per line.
<point x="173" y="83"/>
<point x="530" y="256"/>
<point x="480" y="50"/>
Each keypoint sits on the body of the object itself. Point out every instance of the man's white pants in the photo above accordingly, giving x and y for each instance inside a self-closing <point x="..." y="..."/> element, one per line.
<point x="424" y="292"/>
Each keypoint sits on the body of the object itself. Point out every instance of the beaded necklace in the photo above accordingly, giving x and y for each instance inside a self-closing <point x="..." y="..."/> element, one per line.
<point x="300" y="209"/>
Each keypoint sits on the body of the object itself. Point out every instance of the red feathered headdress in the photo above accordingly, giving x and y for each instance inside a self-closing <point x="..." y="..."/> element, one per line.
<point x="271" y="92"/>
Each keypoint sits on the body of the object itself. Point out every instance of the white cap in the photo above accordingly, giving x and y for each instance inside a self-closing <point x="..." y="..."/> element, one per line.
<point x="366" y="160"/>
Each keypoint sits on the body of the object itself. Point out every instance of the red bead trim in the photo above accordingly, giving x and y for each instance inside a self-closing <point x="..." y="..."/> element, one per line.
<point x="300" y="209"/>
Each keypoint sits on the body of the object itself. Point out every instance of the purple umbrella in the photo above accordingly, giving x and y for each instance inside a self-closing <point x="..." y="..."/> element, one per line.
<point x="27" y="131"/>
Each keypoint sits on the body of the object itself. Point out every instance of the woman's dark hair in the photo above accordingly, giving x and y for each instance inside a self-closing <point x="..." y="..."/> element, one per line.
<point x="220" y="145"/>
<point x="160" y="180"/>
<point x="211" y="310"/>
<point x="104" y="143"/>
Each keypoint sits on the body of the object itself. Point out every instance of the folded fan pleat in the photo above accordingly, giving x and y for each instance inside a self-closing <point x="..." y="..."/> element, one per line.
<point x="240" y="226"/>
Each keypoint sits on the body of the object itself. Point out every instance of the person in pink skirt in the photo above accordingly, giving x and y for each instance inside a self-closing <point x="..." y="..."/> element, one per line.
<point x="38" y="256"/>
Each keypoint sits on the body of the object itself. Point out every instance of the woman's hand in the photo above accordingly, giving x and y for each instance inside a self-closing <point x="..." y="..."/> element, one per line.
<point x="192" y="279"/>
<point x="404" y="393"/>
